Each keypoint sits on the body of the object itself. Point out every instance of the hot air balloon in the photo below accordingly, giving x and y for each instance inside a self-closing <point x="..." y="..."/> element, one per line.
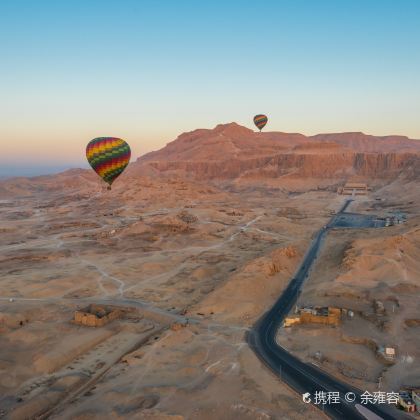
<point x="260" y="121"/>
<point x="108" y="157"/>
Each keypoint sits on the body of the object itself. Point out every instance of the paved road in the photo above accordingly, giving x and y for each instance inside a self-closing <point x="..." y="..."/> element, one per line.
<point x="300" y="376"/>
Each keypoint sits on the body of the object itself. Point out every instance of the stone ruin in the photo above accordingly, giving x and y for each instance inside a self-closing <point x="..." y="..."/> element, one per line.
<point x="96" y="315"/>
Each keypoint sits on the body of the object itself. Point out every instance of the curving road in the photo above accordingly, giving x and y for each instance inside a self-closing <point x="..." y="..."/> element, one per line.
<point x="300" y="376"/>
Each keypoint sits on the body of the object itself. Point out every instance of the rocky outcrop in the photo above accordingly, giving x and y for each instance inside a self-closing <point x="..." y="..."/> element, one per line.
<point x="329" y="165"/>
<point x="412" y="322"/>
<point x="230" y="151"/>
<point x="186" y="217"/>
<point x="371" y="144"/>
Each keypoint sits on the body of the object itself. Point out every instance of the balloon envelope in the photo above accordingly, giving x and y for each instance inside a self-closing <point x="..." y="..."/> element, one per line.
<point x="260" y="121"/>
<point x="108" y="157"/>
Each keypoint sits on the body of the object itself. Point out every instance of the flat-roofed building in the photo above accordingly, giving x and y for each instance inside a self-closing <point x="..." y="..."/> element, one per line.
<point x="354" y="188"/>
<point x="387" y="354"/>
<point x="406" y="402"/>
<point x="415" y="395"/>
<point x="315" y="315"/>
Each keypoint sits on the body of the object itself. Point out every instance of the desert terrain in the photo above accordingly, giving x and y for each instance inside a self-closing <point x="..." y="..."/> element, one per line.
<point x="193" y="244"/>
<point x="356" y="269"/>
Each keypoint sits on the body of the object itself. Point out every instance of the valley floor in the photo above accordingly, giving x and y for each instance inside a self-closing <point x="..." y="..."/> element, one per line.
<point x="192" y="278"/>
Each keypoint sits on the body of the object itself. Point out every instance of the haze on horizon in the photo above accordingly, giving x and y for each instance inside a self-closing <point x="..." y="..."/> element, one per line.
<point x="148" y="71"/>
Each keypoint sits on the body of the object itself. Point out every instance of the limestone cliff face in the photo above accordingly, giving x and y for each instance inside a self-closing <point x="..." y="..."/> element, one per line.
<point x="230" y="151"/>
<point x="328" y="165"/>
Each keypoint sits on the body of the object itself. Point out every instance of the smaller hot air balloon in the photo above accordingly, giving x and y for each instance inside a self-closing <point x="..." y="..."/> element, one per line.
<point x="260" y="121"/>
<point x="108" y="157"/>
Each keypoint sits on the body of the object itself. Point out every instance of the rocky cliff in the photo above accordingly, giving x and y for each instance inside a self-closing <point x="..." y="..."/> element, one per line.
<point x="235" y="154"/>
<point x="230" y="151"/>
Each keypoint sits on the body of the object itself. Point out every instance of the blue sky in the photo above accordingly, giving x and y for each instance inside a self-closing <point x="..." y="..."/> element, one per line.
<point x="148" y="70"/>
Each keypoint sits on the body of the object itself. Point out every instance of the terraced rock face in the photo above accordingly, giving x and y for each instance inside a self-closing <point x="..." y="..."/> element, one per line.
<point x="234" y="154"/>
<point x="230" y="151"/>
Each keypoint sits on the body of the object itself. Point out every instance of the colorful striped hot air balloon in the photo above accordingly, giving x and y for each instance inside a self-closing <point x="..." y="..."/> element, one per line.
<point x="260" y="121"/>
<point x="108" y="157"/>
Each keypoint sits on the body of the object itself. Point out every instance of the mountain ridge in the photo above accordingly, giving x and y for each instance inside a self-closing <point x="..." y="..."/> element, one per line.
<point x="230" y="151"/>
<point x="233" y="139"/>
<point x="235" y="154"/>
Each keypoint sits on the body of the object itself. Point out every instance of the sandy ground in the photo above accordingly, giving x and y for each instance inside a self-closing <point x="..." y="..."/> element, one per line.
<point x="219" y="257"/>
<point x="355" y="268"/>
<point x="220" y="260"/>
